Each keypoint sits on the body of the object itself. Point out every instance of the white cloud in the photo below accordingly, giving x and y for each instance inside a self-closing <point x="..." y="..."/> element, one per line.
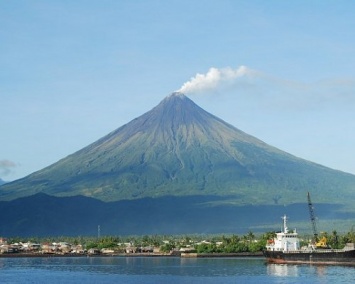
<point x="6" y="166"/>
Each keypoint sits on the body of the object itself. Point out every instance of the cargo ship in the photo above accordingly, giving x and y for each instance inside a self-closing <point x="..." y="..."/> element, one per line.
<point x="285" y="248"/>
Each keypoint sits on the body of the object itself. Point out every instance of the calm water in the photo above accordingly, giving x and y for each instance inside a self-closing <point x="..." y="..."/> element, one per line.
<point x="165" y="270"/>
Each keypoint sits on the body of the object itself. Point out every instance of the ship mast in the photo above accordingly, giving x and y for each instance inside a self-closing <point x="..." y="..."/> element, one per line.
<point x="285" y="224"/>
<point x="313" y="219"/>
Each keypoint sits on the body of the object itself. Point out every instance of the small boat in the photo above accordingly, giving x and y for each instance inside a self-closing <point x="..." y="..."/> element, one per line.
<point x="285" y="248"/>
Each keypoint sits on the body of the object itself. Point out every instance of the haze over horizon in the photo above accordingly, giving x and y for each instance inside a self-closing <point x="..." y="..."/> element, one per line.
<point x="74" y="71"/>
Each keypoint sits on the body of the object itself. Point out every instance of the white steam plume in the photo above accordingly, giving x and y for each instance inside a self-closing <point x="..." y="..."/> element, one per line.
<point x="214" y="79"/>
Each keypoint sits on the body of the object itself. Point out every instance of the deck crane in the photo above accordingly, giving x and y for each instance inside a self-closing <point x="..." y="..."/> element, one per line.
<point x="322" y="243"/>
<point x="313" y="218"/>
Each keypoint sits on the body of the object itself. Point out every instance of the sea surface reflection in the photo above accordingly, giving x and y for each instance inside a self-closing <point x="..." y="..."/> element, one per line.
<point x="165" y="270"/>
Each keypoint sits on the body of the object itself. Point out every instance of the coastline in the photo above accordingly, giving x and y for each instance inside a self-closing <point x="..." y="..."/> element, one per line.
<point x="183" y="255"/>
<point x="239" y="254"/>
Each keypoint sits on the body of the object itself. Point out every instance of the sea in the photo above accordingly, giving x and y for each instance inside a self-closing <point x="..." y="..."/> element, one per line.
<point x="168" y="270"/>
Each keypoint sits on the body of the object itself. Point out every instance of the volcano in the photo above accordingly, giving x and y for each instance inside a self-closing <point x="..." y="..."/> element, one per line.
<point x="175" y="169"/>
<point x="179" y="149"/>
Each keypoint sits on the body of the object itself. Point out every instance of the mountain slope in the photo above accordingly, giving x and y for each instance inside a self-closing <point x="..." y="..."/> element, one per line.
<point x="179" y="149"/>
<point x="41" y="215"/>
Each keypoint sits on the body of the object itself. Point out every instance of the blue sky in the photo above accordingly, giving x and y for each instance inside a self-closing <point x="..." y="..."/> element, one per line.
<point x="73" y="71"/>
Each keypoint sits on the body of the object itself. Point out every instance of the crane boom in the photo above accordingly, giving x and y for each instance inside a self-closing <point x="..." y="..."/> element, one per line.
<point x="313" y="219"/>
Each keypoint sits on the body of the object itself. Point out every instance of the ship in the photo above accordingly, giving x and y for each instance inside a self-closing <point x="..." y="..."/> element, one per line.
<point x="285" y="247"/>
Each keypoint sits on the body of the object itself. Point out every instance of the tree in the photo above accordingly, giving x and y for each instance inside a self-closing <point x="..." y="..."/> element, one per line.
<point x="168" y="247"/>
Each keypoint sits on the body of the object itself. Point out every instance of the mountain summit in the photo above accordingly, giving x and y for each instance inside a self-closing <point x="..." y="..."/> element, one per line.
<point x="179" y="149"/>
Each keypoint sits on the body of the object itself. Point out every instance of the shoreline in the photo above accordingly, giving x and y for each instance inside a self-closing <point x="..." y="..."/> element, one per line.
<point x="225" y="255"/>
<point x="182" y="255"/>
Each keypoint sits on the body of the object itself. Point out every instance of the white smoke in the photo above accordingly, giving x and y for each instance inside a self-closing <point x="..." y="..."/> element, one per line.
<point x="214" y="79"/>
<point x="258" y="87"/>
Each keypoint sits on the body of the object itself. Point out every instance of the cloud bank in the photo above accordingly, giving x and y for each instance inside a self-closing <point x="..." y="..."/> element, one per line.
<point x="6" y="167"/>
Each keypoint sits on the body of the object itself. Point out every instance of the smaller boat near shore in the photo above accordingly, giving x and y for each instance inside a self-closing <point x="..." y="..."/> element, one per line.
<point x="285" y="248"/>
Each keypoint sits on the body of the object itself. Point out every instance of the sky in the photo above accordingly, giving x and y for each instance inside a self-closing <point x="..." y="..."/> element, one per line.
<point x="71" y="71"/>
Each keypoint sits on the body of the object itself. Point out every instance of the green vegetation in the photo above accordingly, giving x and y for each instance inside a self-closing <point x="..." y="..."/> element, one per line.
<point x="336" y="241"/>
<point x="196" y="243"/>
<point x="105" y="242"/>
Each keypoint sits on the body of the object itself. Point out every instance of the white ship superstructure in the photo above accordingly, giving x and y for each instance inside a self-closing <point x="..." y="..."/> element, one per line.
<point x="285" y="240"/>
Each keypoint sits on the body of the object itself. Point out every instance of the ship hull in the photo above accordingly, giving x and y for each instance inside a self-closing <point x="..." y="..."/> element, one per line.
<point x="312" y="257"/>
